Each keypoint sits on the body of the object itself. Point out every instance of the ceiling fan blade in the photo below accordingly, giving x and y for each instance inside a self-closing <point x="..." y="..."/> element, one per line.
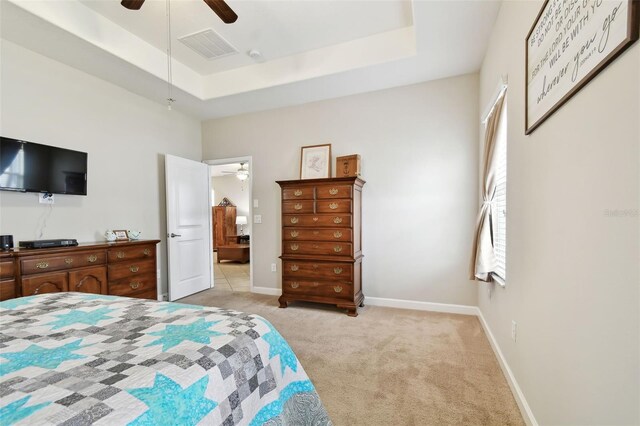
<point x="221" y="9"/>
<point x="132" y="4"/>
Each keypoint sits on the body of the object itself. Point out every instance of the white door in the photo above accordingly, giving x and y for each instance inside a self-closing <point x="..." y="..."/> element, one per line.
<point x="188" y="226"/>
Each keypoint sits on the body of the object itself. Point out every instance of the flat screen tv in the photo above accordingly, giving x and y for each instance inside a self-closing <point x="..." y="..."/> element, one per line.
<point x="32" y="167"/>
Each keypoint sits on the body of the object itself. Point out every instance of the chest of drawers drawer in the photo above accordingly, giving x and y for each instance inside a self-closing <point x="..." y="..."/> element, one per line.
<point x="300" y="193"/>
<point x="133" y="284"/>
<point x="333" y="206"/>
<point x="61" y="262"/>
<point x="317" y="248"/>
<point x="303" y="206"/>
<point x="124" y="254"/>
<point x="317" y="220"/>
<point x="334" y="289"/>
<point x="295" y="269"/>
<point x="319" y="234"/>
<point x="7" y="270"/>
<point x="333" y="191"/>
<point x="131" y="269"/>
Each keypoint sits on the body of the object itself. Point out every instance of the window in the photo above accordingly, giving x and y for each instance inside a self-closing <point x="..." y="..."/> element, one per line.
<point x="499" y="217"/>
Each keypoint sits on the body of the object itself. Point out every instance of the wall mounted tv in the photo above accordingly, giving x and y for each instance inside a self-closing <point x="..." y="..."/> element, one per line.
<point x="32" y="167"/>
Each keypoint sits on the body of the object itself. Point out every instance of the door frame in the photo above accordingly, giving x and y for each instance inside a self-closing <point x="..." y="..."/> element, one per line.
<point x="243" y="159"/>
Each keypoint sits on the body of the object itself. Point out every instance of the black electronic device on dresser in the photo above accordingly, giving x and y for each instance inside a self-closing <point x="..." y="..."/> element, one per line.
<point x="36" y="244"/>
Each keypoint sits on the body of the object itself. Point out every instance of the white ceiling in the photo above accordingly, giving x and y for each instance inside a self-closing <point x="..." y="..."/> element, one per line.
<point x="312" y="50"/>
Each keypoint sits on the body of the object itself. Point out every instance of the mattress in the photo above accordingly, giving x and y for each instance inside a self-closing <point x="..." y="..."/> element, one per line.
<point x="79" y="359"/>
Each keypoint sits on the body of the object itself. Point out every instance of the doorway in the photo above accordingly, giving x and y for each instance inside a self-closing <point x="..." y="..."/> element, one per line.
<point x="232" y="233"/>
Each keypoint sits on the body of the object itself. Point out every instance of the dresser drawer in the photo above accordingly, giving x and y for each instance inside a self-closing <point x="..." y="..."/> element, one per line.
<point x="319" y="248"/>
<point x="62" y="262"/>
<point x="131" y="269"/>
<point x="7" y="289"/>
<point x="123" y="254"/>
<point x="303" y="206"/>
<point x="334" y="220"/>
<point x="7" y="269"/>
<point x="333" y="289"/>
<point x="302" y="193"/>
<point x="132" y="285"/>
<point x="294" y="269"/>
<point x="333" y="191"/>
<point x="319" y="234"/>
<point x="45" y="283"/>
<point x="333" y="206"/>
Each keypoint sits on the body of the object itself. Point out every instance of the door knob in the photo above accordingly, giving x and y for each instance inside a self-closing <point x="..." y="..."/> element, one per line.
<point x="175" y="235"/>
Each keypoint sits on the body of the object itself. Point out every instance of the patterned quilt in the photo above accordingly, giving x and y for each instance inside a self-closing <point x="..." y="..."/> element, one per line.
<point x="78" y="359"/>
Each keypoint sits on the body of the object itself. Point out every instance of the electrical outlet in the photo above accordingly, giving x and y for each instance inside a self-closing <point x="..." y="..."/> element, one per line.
<point x="514" y="330"/>
<point x="274" y="268"/>
<point x="257" y="218"/>
<point x="46" y="198"/>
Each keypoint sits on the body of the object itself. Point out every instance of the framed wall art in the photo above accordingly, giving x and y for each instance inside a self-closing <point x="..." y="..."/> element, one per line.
<point x="315" y="161"/>
<point x="570" y="42"/>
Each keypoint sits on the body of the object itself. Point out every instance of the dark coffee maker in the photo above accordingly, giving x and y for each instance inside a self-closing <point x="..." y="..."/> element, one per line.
<point x="6" y="242"/>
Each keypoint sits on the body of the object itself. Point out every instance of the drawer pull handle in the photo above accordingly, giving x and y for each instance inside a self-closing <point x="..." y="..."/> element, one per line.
<point x="120" y="255"/>
<point x="294" y="220"/>
<point x="315" y="266"/>
<point x="42" y="265"/>
<point x="315" y="219"/>
<point x="337" y="249"/>
<point x="295" y="268"/>
<point x="134" y="268"/>
<point x="316" y="284"/>
<point x="316" y="232"/>
<point x="298" y="192"/>
<point x="315" y="246"/>
<point x="337" y="271"/>
<point x="92" y="258"/>
<point x="295" y="285"/>
<point x="333" y="191"/>
<point x="68" y="261"/>
<point x="298" y="206"/>
<point x="333" y="206"/>
<point x="337" y="234"/>
<point x="134" y="285"/>
<point x="147" y="252"/>
<point x="337" y="220"/>
<point x="337" y="289"/>
<point x="294" y="247"/>
<point x="294" y="234"/>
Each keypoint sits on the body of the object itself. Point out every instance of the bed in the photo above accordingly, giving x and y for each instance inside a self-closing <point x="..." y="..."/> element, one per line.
<point x="76" y="359"/>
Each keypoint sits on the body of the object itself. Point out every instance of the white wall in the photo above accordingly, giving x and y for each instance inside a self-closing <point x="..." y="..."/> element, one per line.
<point x="125" y="136"/>
<point x="573" y="272"/>
<point x="237" y="192"/>
<point x="419" y="156"/>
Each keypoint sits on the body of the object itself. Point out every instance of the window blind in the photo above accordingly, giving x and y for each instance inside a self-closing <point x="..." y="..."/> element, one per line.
<point x="499" y="218"/>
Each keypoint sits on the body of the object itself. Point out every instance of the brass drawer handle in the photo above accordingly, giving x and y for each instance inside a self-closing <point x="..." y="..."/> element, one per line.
<point x="315" y="219"/>
<point x="68" y="261"/>
<point x="315" y="266"/>
<point x="315" y="246"/>
<point x="337" y="289"/>
<point x="316" y="232"/>
<point x="294" y="220"/>
<point x="337" y="249"/>
<point x="134" y="285"/>
<point x="120" y="255"/>
<point x="134" y="268"/>
<point x="147" y="252"/>
<point x="315" y="284"/>
<point x="333" y="206"/>
<point x="92" y="258"/>
<point x="333" y="191"/>
<point x="294" y="247"/>
<point x="295" y="285"/>
<point x="337" y="271"/>
<point x="295" y="268"/>
<point x="337" y="234"/>
<point x="298" y="206"/>
<point x="337" y="220"/>
<point x="42" y="265"/>
<point x="297" y="193"/>
<point x="294" y="234"/>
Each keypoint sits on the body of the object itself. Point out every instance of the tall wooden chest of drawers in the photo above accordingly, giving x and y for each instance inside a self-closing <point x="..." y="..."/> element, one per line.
<point x="322" y="242"/>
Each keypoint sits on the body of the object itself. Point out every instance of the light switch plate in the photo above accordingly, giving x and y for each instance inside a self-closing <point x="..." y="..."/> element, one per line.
<point x="257" y="218"/>
<point x="255" y="203"/>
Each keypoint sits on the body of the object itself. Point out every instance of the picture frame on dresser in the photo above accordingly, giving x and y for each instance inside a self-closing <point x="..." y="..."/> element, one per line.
<point x="121" y="235"/>
<point x="315" y="161"/>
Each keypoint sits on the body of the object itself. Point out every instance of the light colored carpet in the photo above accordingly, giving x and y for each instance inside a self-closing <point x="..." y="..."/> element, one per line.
<point x="388" y="366"/>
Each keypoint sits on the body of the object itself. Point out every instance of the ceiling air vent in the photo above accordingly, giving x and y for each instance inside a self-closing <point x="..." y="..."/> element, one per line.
<point x="208" y="44"/>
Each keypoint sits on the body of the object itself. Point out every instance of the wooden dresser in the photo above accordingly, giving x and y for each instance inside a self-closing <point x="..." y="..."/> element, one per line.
<point x="125" y="268"/>
<point x="322" y="242"/>
<point x="224" y="224"/>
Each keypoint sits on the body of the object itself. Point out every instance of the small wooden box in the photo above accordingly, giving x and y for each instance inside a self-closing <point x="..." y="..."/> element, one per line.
<point x="348" y="166"/>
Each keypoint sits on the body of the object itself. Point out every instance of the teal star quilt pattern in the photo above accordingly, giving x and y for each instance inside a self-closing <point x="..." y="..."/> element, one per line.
<point x="76" y="358"/>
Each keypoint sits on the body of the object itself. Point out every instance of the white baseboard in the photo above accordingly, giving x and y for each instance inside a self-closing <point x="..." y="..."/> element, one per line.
<point x="267" y="290"/>
<point x="421" y="306"/>
<point x="525" y="409"/>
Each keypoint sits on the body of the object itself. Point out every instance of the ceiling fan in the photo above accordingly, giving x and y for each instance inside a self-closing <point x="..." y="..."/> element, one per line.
<point x="221" y="9"/>
<point x="241" y="173"/>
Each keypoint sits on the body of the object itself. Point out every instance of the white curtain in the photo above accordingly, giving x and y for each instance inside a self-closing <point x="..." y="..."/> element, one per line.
<point x="483" y="260"/>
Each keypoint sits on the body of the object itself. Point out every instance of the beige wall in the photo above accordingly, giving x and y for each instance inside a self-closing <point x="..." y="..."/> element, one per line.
<point x="125" y="136"/>
<point x="419" y="156"/>
<point x="573" y="272"/>
<point x="237" y="192"/>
